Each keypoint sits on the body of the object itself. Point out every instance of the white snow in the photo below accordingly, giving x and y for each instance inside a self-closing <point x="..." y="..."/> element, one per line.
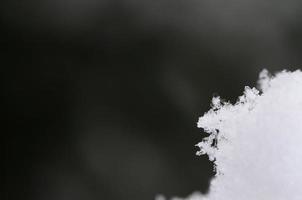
<point x="257" y="149"/>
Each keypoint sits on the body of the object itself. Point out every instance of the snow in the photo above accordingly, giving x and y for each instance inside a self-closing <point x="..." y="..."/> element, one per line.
<point x="256" y="144"/>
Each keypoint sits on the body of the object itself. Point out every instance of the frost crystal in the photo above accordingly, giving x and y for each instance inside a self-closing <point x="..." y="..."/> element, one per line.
<point x="256" y="144"/>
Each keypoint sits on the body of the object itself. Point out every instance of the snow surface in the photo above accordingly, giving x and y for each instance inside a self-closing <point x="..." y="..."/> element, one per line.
<point x="256" y="144"/>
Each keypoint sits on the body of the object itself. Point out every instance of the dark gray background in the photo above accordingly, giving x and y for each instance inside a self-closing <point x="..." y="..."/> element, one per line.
<point x="102" y="97"/>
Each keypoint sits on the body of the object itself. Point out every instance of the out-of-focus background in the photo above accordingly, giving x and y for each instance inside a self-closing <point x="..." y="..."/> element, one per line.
<point x="102" y="97"/>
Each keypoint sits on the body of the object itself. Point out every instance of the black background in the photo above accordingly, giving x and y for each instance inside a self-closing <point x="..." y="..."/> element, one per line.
<point x="102" y="97"/>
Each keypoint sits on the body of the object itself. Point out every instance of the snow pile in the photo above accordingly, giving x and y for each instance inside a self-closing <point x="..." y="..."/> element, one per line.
<point x="256" y="144"/>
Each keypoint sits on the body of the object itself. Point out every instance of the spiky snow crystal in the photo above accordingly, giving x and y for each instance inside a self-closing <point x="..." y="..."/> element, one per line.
<point x="256" y="144"/>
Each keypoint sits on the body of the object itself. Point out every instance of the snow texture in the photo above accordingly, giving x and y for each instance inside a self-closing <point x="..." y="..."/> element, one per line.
<point x="256" y="144"/>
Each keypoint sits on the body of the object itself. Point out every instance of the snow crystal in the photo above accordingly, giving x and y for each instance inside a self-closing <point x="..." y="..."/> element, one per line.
<point x="256" y="144"/>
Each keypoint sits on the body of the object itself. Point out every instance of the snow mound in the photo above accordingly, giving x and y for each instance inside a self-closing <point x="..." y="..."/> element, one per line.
<point x="256" y="144"/>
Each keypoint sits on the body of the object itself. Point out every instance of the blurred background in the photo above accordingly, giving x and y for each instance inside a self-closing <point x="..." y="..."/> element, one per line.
<point x="102" y="97"/>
